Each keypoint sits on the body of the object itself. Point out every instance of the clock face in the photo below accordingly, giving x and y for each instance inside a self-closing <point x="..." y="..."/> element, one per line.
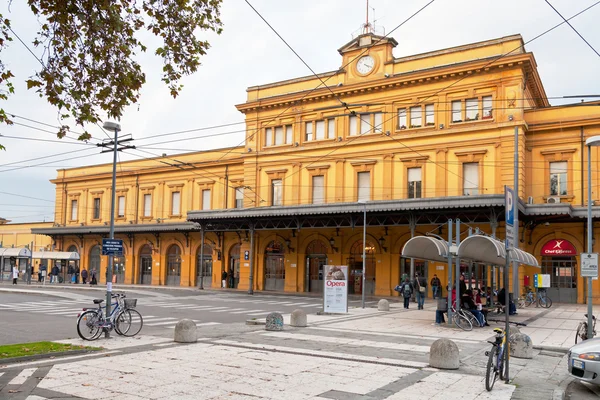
<point x="365" y="65"/>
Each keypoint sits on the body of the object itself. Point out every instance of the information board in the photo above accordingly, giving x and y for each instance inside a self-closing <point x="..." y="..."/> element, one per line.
<point x="335" y="292"/>
<point x="112" y="247"/>
<point x="589" y="265"/>
<point x="541" y="280"/>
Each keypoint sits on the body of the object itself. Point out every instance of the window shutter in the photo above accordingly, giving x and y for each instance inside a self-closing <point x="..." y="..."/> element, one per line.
<point x="268" y="137"/>
<point x="353" y="127"/>
<point x="206" y="199"/>
<point x="121" y="212"/>
<point x="175" y="200"/>
<point x="147" y="205"/>
<point x="279" y="135"/>
<point x="320" y="130"/>
<point x="318" y="189"/>
<point x="471" y="178"/>
<point x="364" y="186"/>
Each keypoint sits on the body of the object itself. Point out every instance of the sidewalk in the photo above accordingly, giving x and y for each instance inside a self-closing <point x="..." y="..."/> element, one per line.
<point x="364" y="354"/>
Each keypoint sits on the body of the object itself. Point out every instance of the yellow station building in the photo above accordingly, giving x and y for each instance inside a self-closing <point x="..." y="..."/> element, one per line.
<point x="410" y="142"/>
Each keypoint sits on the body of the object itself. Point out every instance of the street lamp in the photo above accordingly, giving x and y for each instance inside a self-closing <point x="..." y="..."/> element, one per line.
<point x="593" y="141"/>
<point x="364" y="269"/>
<point x="115" y="127"/>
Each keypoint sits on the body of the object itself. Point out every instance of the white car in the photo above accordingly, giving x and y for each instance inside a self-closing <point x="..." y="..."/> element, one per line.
<point x="584" y="361"/>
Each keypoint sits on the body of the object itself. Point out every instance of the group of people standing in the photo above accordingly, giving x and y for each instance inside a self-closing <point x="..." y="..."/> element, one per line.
<point x="227" y="279"/>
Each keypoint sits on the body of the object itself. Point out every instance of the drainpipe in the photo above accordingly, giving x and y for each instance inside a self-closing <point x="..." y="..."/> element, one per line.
<point x="226" y="186"/>
<point x="137" y="198"/>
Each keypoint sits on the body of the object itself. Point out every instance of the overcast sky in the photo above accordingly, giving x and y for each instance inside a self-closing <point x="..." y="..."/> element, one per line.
<point x="248" y="53"/>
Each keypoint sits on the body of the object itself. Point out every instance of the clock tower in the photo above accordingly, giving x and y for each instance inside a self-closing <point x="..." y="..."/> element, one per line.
<point x="367" y="56"/>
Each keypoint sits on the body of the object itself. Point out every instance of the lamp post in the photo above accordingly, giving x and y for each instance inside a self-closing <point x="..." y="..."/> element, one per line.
<point x="593" y="141"/>
<point x="364" y="255"/>
<point x="115" y="127"/>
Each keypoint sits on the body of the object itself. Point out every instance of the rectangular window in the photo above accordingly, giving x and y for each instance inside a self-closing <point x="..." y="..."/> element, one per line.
<point x="206" y="199"/>
<point x="353" y="126"/>
<point x="365" y="124"/>
<point x="320" y="128"/>
<point x="318" y="189"/>
<point x="269" y="137"/>
<point x="416" y="117"/>
<point x="378" y="122"/>
<point x="472" y="110"/>
<point x="73" y="210"/>
<point x="121" y="207"/>
<point x="276" y="192"/>
<point x="487" y="107"/>
<point x="239" y="197"/>
<point x="364" y="186"/>
<point x="96" y="208"/>
<point x="470" y="179"/>
<point x="402" y="118"/>
<point x="288" y="134"/>
<point x="414" y="183"/>
<point x="147" y="205"/>
<point x="176" y="203"/>
<point x="558" y="178"/>
<point x="279" y="136"/>
<point x="429" y="115"/>
<point x="308" y="131"/>
<point x="331" y="128"/>
<point x="456" y="111"/>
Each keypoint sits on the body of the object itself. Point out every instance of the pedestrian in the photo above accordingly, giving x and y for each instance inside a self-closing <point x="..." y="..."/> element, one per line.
<point x="84" y="276"/>
<point x="54" y="274"/>
<point x="406" y="289"/>
<point x="420" y="285"/>
<point x="40" y="274"/>
<point x="462" y="286"/>
<point x="436" y="286"/>
<point x="93" y="280"/>
<point x="77" y="274"/>
<point x="71" y="273"/>
<point x="230" y="274"/>
<point x="224" y="279"/>
<point x="15" y="274"/>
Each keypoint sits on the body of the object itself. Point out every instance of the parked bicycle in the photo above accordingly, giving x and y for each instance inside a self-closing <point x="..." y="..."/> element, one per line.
<point x="124" y="319"/>
<point x="582" y="329"/>
<point x="495" y="364"/>
<point x="464" y="319"/>
<point x="541" y="298"/>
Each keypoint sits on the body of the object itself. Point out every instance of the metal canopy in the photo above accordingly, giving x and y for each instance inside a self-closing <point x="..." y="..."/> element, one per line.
<point x="55" y="255"/>
<point x="19" y="252"/>
<point x="426" y="248"/>
<point x="491" y="251"/>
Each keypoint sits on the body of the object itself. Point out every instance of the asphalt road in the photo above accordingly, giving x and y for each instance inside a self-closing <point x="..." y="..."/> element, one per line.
<point x="578" y="390"/>
<point x="28" y="317"/>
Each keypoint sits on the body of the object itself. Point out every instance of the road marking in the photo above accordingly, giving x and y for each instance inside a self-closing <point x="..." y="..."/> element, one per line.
<point x="152" y="323"/>
<point x="22" y="377"/>
<point x="245" y="311"/>
<point x="260" y="313"/>
<point x="198" y="324"/>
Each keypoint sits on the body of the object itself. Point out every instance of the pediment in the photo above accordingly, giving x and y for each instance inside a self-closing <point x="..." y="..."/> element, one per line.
<point x="366" y="40"/>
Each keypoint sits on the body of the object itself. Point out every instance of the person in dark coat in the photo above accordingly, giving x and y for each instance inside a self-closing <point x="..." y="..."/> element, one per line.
<point x="224" y="279"/>
<point x="84" y="276"/>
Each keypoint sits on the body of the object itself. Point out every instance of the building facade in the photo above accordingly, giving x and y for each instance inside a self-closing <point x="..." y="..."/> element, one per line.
<point x="405" y="144"/>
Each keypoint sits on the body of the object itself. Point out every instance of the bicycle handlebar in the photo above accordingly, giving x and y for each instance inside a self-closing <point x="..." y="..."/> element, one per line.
<point x="510" y="322"/>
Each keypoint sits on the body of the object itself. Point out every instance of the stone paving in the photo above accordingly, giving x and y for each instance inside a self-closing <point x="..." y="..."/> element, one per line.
<point x="365" y="354"/>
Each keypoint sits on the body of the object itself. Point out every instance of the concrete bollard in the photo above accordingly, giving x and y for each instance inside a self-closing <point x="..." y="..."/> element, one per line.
<point x="185" y="331"/>
<point x="298" y="318"/>
<point x="443" y="354"/>
<point x="274" y="322"/>
<point x="383" y="305"/>
<point x="521" y="346"/>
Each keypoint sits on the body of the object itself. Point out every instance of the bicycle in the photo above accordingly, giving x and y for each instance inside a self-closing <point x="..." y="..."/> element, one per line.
<point x="582" y="329"/>
<point x="495" y="364"/>
<point x="463" y="319"/>
<point x="124" y="319"/>
<point x="543" y="300"/>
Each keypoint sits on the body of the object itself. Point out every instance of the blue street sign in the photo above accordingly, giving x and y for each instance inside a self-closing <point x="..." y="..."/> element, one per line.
<point x="509" y="219"/>
<point x="112" y="247"/>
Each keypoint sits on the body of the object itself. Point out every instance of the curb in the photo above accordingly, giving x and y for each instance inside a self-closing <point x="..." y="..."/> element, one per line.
<point x="551" y="348"/>
<point x="558" y="394"/>
<point x="255" y="322"/>
<point x="45" y="356"/>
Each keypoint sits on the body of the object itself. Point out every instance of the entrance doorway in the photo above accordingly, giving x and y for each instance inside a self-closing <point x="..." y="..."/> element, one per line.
<point x="146" y="265"/>
<point x="119" y="269"/>
<point x="174" y="266"/>
<point x="206" y="263"/>
<point x="274" y="267"/>
<point x="563" y="278"/>
<point x="316" y="258"/>
<point x="233" y="274"/>
<point x="355" y="266"/>
<point x="94" y="263"/>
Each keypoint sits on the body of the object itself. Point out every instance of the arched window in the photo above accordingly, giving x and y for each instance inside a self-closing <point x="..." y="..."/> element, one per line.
<point x="317" y="247"/>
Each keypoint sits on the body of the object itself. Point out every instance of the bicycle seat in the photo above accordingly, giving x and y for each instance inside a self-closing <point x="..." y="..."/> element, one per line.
<point x="498" y="330"/>
<point x="98" y="301"/>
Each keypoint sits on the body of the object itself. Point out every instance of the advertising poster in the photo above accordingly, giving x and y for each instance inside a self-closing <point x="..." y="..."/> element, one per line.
<point x="335" y="293"/>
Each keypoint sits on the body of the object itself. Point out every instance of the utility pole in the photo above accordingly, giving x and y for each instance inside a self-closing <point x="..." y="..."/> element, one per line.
<point x="115" y="127"/>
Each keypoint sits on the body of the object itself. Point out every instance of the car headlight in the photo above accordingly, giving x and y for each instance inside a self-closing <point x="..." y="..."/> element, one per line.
<point x="590" y="356"/>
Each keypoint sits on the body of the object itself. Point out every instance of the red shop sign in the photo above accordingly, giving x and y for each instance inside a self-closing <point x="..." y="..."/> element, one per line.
<point x="559" y="247"/>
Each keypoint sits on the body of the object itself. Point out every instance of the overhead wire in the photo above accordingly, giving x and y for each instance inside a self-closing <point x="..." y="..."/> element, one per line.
<point x="572" y="27"/>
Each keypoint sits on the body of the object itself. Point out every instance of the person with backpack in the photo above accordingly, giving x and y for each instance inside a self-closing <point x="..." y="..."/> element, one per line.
<point x="420" y="286"/>
<point x="406" y="290"/>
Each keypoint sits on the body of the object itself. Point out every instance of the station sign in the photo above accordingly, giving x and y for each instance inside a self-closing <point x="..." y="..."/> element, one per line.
<point x="112" y="247"/>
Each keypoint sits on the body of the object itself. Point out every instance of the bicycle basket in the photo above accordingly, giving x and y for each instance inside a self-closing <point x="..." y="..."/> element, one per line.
<point x="130" y="303"/>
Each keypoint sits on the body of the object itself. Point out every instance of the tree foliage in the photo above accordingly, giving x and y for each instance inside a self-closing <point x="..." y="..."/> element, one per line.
<point x="88" y="67"/>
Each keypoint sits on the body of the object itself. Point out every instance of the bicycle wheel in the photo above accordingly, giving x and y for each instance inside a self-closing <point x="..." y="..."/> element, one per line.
<point x="129" y="322"/>
<point x="528" y="301"/>
<point x="491" y="372"/>
<point x="521" y="302"/>
<point x="545" y="302"/>
<point x="471" y="317"/>
<point x="88" y="325"/>
<point x="581" y="332"/>
<point x="462" y="322"/>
